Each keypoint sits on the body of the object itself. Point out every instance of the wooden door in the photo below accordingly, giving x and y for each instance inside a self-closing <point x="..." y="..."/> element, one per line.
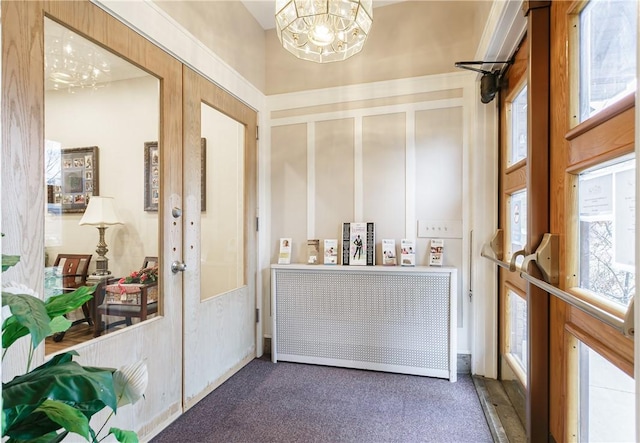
<point x="221" y="320"/>
<point x="158" y="340"/>
<point x="580" y="147"/>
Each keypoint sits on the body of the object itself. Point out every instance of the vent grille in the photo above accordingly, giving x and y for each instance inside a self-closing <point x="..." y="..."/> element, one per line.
<point x="398" y="319"/>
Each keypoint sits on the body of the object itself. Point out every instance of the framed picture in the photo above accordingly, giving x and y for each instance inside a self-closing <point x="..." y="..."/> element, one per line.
<point x="152" y="176"/>
<point x="78" y="180"/>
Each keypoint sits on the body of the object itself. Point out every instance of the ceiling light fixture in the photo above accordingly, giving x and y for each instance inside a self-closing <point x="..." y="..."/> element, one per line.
<point x="72" y="62"/>
<point x="323" y="30"/>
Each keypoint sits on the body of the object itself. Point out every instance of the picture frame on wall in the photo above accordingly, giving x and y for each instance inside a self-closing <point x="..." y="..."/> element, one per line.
<point x="152" y="176"/>
<point x="79" y="180"/>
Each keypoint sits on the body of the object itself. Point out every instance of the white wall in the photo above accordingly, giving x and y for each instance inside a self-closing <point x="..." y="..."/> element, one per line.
<point x="392" y="153"/>
<point x="480" y="143"/>
<point x="118" y="119"/>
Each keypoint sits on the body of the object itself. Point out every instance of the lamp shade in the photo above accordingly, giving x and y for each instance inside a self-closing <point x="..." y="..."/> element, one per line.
<point x="100" y="212"/>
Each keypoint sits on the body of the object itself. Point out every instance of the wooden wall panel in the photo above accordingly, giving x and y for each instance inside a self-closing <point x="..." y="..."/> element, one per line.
<point x="22" y="157"/>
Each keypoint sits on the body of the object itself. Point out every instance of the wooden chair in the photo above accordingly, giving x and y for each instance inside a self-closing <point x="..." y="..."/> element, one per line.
<point x="74" y="269"/>
<point x="127" y="310"/>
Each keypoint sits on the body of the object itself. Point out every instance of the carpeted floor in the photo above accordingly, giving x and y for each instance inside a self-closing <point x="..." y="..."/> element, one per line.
<point x="288" y="402"/>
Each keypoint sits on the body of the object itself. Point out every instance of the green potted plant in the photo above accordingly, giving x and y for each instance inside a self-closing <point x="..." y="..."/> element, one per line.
<point x="59" y="397"/>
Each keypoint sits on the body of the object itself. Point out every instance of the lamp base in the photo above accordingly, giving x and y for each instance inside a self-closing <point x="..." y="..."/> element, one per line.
<point x="102" y="266"/>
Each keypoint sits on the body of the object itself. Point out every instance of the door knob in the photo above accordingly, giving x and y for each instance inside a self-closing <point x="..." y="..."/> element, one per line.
<point x="178" y="266"/>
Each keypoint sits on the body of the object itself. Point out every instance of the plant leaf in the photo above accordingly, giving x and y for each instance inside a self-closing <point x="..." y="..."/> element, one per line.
<point x="65" y="303"/>
<point x="66" y="416"/>
<point x="124" y="436"/>
<point x="12" y="330"/>
<point x="32" y="424"/>
<point x="86" y="388"/>
<point x="30" y="312"/>
<point x="9" y="260"/>
<point x="60" y="324"/>
<point x="51" y="437"/>
<point x="130" y="382"/>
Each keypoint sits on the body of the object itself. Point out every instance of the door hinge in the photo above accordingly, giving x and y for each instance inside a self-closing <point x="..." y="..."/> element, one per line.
<point x="257" y="224"/>
<point x="257" y="132"/>
<point x="257" y="315"/>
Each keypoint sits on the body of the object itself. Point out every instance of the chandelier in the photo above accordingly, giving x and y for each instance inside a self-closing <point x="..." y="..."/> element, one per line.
<point x="72" y="62"/>
<point x="323" y="30"/>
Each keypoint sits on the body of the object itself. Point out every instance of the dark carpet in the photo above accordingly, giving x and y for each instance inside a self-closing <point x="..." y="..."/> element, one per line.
<point x="289" y="402"/>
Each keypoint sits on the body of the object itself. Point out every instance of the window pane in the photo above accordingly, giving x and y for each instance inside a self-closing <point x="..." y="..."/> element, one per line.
<point x="517" y="223"/>
<point x="519" y="127"/>
<point x="518" y="329"/>
<point x="608" y="32"/>
<point x="606" y="399"/>
<point x="102" y="117"/>
<point x="222" y="224"/>
<point x="607" y="231"/>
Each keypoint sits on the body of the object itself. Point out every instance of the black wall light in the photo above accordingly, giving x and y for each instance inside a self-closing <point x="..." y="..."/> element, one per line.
<point x="490" y="80"/>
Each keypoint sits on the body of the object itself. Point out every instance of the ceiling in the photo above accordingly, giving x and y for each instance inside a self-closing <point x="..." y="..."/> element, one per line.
<point x="264" y="10"/>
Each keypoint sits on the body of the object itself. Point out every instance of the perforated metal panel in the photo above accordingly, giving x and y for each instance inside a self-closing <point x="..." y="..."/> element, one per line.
<point x="394" y="321"/>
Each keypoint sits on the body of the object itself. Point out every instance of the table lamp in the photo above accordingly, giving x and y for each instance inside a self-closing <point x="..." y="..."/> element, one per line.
<point x="101" y="213"/>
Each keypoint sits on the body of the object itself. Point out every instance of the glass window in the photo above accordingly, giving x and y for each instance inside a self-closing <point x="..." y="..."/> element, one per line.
<point x="222" y="224"/>
<point x="608" y="32"/>
<point x="606" y="400"/>
<point x="518" y="127"/>
<point x="518" y="329"/>
<point x="100" y="113"/>
<point x="607" y="231"/>
<point x="517" y="223"/>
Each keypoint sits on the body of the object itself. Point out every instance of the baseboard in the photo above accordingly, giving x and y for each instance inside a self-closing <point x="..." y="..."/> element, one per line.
<point x="463" y="360"/>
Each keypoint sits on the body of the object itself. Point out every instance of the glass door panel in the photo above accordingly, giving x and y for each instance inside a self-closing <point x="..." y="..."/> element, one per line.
<point x="517" y="346"/>
<point x="606" y="396"/>
<point x="607" y="231"/>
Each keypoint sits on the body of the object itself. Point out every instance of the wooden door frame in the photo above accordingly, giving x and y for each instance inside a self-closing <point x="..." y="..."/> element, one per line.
<point x="538" y="31"/>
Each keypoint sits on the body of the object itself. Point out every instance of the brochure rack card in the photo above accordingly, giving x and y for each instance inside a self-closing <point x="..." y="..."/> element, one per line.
<point x="407" y="252"/>
<point x="358" y="244"/>
<point x="389" y="252"/>
<point x="284" y="256"/>
<point x="436" y="252"/>
<point x="331" y="251"/>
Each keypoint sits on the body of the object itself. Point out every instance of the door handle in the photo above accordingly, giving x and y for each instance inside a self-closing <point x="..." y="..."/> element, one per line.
<point x="178" y="266"/>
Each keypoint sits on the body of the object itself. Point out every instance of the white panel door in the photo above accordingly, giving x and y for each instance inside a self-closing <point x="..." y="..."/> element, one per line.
<point x="219" y="202"/>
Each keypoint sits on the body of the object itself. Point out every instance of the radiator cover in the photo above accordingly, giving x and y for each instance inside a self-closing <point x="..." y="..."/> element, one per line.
<point x="391" y="319"/>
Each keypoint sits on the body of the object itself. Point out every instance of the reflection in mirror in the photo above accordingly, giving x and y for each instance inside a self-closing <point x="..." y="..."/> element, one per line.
<point x="100" y="110"/>
<point x="222" y="259"/>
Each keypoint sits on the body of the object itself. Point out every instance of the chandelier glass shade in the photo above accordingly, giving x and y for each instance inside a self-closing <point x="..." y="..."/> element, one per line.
<point x="323" y="30"/>
<point x="72" y="62"/>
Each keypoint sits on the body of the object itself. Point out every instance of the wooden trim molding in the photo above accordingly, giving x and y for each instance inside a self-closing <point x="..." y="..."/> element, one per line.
<point x="612" y="138"/>
<point x="603" y="116"/>
<point x="599" y="339"/>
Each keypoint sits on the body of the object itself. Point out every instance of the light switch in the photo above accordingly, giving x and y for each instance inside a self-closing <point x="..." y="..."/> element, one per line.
<point x="440" y="228"/>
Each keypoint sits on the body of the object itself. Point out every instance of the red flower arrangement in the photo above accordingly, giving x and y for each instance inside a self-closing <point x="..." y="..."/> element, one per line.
<point x="143" y="276"/>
